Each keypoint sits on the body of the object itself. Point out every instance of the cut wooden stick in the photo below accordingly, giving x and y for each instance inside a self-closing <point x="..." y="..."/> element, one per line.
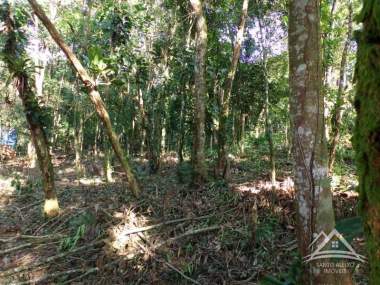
<point x="9" y="250"/>
<point x="49" y="276"/>
<point x="147" y="228"/>
<point x="147" y="250"/>
<point x="31" y="237"/>
<point x="189" y="233"/>
<point x="88" y="272"/>
<point x="47" y="260"/>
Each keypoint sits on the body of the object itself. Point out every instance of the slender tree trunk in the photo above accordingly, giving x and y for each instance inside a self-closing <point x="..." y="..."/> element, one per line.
<point x="198" y="159"/>
<point x="336" y="119"/>
<point x="33" y="114"/>
<point x="78" y="138"/>
<point x="142" y="121"/>
<point x="93" y="94"/>
<point x="325" y="47"/>
<point x="366" y="138"/>
<point x="107" y="162"/>
<point x="268" y="123"/>
<point x="313" y="193"/>
<point x="181" y="137"/>
<point x="242" y="121"/>
<point x="225" y="94"/>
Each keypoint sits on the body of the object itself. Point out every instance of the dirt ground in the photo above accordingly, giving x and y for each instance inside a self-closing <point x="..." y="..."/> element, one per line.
<point x="235" y="233"/>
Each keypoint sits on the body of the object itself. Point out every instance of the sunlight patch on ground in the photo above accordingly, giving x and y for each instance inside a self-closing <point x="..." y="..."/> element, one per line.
<point x="91" y="181"/>
<point x="120" y="240"/>
<point x="256" y="187"/>
<point x="68" y="170"/>
<point x="6" y="187"/>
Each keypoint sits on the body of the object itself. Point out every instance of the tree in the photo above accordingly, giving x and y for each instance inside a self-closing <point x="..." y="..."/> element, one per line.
<point x="336" y="120"/>
<point x="198" y="156"/>
<point x="313" y="194"/>
<point x="17" y="62"/>
<point x="93" y="94"/>
<point x="268" y="123"/>
<point x="225" y="95"/>
<point x="366" y="137"/>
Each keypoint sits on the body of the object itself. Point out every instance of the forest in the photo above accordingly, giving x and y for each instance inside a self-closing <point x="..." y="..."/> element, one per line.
<point x="169" y="142"/>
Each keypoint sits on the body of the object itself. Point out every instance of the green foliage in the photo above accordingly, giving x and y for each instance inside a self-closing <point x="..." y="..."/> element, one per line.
<point x="70" y="242"/>
<point x="16" y="182"/>
<point x="78" y="227"/>
<point x="25" y="188"/>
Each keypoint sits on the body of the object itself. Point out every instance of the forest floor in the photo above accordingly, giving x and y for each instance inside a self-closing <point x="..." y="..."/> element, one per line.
<point x="172" y="234"/>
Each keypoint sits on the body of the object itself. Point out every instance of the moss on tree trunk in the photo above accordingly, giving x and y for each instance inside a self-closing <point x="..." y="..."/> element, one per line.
<point x="16" y="62"/>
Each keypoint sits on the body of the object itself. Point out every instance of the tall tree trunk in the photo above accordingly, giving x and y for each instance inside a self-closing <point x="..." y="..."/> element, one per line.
<point x="367" y="130"/>
<point x="325" y="47"/>
<point x="93" y="94"/>
<point x="268" y="123"/>
<point x="225" y="94"/>
<point x="336" y="119"/>
<point x="78" y="137"/>
<point x="34" y="115"/>
<point x="313" y="194"/>
<point x="181" y="133"/>
<point x="198" y="159"/>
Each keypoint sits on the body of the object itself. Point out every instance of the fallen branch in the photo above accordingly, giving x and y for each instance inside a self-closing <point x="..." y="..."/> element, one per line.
<point x="47" y="260"/>
<point x="88" y="272"/>
<point x="143" y="229"/>
<point x="32" y="205"/>
<point x="53" y="236"/>
<point x="165" y="262"/>
<point x="192" y="232"/>
<point x="9" y="250"/>
<point x="49" y="276"/>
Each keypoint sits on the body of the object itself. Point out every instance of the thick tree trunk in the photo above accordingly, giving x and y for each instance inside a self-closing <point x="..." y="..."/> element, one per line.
<point x="198" y="155"/>
<point x="32" y="157"/>
<point x="367" y="130"/>
<point x="225" y="94"/>
<point x="34" y="117"/>
<point x="336" y="119"/>
<point x="313" y="194"/>
<point x="93" y="94"/>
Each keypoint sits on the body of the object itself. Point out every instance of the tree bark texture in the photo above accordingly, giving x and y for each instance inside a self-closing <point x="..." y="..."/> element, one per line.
<point x="198" y="159"/>
<point x="33" y="112"/>
<point x="313" y="193"/>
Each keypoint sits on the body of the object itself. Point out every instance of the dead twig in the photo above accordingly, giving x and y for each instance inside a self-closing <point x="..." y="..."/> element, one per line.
<point x="88" y="272"/>
<point x="32" y="205"/>
<point x="53" y="236"/>
<point x="147" y="250"/>
<point x="9" y="250"/>
<point x="189" y="233"/>
<point x="49" y="276"/>
<point x="47" y="260"/>
<point x="143" y="229"/>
